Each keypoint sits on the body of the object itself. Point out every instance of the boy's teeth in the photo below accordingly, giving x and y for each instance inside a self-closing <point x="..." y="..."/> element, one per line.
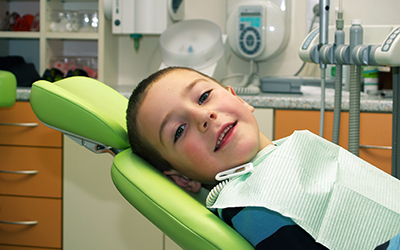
<point x="222" y="135"/>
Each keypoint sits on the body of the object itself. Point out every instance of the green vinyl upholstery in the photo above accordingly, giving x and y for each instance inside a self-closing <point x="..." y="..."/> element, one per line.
<point x="82" y="106"/>
<point x="8" y="88"/>
<point x="90" y="109"/>
<point x="184" y="219"/>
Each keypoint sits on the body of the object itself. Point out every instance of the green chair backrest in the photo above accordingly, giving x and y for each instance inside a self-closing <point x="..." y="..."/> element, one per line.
<point x="82" y="106"/>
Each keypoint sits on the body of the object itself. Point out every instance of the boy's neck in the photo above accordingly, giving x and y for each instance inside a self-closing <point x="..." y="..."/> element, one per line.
<point x="264" y="142"/>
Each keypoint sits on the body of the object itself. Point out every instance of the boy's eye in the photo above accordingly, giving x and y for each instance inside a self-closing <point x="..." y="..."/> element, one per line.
<point x="179" y="132"/>
<point x="204" y="97"/>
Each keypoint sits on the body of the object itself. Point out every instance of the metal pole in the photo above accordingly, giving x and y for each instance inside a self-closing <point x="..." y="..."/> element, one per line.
<point x="396" y="124"/>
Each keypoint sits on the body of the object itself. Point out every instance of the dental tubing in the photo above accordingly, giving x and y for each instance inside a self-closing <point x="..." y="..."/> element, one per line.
<point x="337" y="108"/>
<point x="356" y="38"/>
<point x="354" y="109"/>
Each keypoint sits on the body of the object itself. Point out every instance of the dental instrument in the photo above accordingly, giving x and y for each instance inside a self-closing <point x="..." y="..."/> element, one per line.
<point x="323" y="39"/>
<point x="339" y="40"/>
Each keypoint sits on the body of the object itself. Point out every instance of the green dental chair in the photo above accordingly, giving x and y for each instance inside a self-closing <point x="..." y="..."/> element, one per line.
<point x="8" y="89"/>
<point x="93" y="114"/>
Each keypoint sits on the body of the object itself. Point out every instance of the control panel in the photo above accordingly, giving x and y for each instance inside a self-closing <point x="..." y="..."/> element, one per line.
<point x="250" y="35"/>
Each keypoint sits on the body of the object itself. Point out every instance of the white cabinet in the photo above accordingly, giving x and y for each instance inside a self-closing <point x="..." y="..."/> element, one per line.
<point x="95" y="215"/>
<point x="38" y="47"/>
<point x="265" y="119"/>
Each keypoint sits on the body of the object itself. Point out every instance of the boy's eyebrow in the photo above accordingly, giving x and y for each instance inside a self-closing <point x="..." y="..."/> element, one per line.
<point x="168" y="116"/>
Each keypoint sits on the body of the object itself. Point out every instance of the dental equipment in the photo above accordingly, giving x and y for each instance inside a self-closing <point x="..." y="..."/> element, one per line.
<point x="337" y="109"/>
<point x="316" y="14"/>
<point x="365" y="48"/>
<point x="257" y="31"/>
<point x="195" y="43"/>
<point x="356" y="38"/>
<point x="323" y="39"/>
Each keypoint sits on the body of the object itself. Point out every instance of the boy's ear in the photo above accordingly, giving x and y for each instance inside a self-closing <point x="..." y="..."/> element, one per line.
<point x="183" y="181"/>
<point x="230" y="89"/>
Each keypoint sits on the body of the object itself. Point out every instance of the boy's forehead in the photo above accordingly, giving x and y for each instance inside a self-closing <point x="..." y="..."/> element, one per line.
<point x="167" y="88"/>
<point x="178" y="82"/>
<point x="180" y="76"/>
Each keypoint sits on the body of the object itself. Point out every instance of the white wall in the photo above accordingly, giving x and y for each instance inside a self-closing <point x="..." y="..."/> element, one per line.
<point x="134" y="66"/>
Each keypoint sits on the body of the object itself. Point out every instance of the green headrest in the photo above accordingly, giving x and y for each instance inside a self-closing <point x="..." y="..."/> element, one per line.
<point x="82" y="106"/>
<point x="8" y="88"/>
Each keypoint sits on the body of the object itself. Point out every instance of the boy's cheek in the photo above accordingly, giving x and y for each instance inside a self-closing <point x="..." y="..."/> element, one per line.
<point x="194" y="150"/>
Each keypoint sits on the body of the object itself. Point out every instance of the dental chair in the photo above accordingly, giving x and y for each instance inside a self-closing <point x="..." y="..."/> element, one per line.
<point x="8" y="88"/>
<point x="93" y="115"/>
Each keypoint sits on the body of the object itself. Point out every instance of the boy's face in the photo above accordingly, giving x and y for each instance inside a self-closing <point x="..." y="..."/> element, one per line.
<point x="198" y="126"/>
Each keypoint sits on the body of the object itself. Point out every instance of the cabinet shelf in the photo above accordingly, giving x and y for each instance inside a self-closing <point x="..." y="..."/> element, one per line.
<point x="20" y="34"/>
<point x="38" y="47"/>
<point x="72" y="35"/>
<point x="49" y="35"/>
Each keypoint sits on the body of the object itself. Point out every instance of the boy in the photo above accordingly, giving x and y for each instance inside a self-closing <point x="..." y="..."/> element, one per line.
<point x="192" y="128"/>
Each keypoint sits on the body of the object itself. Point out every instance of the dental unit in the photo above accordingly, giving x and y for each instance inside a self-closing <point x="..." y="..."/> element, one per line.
<point x="368" y="45"/>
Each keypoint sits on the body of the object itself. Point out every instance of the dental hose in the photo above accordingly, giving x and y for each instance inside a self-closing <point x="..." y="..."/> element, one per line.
<point x="356" y="38"/>
<point x="337" y="109"/>
<point x="354" y="109"/>
<point x="337" y="106"/>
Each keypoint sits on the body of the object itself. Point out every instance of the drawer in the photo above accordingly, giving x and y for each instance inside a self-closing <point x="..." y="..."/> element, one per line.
<point x="381" y="158"/>
<point x="2" y="247"/>
<point x="20" y="126"/>
<point x="47" y="213"/>
<point x="47" y="182"/>
<point x="375" y="130"/>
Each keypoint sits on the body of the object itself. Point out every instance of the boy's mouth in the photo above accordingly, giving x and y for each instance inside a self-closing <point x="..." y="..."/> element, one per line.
<point x="223" y="135"/>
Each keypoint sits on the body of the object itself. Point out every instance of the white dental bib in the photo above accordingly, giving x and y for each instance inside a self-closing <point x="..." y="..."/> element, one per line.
<point x="342" y="201"/>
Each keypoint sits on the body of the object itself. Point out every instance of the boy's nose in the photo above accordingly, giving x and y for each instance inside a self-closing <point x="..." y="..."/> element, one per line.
<point x="205" y="120"/>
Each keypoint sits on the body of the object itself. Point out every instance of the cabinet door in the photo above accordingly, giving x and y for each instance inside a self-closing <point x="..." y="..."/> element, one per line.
<point x="170" y="245"/>
<point x="375" y="130"/>
<point x="31" y="171"/>
<point x="3" y="247"/>
<point x="20" y="126"/>
<point x="47" y="213"/>
<point x="96" y="216"/>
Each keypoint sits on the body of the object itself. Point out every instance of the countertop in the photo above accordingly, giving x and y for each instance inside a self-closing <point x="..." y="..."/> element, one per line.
<point x="309" y="100"/>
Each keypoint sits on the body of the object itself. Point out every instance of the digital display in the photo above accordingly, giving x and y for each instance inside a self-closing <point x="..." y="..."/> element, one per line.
<point x="254" y="20"/>
<point x="250" y="14"/>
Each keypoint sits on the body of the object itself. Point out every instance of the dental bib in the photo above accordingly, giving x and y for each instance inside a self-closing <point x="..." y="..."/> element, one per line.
<point x="342" y="201"/>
